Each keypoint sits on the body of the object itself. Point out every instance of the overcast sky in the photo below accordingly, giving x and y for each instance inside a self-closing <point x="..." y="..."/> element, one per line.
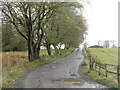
<point x="102" y="18"/>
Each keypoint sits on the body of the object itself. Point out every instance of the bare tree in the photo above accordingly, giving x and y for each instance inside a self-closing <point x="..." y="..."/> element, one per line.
<point x="100" y="43"/>
<point x="113" y="43"/>
<point x="106" y="44"/>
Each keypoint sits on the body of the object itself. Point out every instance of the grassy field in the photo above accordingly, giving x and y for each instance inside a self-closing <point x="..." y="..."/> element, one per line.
<point x="106" y="56"/>
<point x="15" y="64"/>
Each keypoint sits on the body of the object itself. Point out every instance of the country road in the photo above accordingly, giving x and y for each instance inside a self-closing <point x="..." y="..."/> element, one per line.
<point x="62" y="73"/>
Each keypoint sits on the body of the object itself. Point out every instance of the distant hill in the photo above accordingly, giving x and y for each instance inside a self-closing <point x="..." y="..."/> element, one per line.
<point x="96" y="46"/>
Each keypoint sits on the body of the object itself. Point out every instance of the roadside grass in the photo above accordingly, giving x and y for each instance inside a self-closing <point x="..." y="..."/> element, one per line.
<point x="13" y="74"/>
<point x="104" y="55"/>
<point x="107" y="81"/>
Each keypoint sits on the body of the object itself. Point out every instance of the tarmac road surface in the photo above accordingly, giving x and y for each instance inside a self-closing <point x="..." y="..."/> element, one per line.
<point x="62" y="73"/>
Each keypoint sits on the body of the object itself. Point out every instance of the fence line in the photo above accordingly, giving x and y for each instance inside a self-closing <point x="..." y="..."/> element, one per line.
<point x="94" y="64"/>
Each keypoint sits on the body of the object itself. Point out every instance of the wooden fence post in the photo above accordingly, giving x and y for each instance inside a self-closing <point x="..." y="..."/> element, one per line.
<point x="99" y="69"/>
<point x="118" y="73"/>
<point x="90" y="62"/>
<point x="106" y="70"/>
<point x="95" y="65"/>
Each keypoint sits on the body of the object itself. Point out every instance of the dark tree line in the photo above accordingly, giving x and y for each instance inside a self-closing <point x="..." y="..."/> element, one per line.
<point x="11" y="40"/>
<point x="43" y="24"/>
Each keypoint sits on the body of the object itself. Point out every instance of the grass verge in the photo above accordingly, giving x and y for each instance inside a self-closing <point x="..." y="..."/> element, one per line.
<point x="100" y="79"/>
<point x="108" y="81"/>
<point x="10" y="77"/>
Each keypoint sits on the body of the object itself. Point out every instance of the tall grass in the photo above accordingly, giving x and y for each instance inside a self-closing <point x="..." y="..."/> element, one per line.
<point x="16" y="59"/>
<point x="15" y="64"/>
<point x="13" y="59"/>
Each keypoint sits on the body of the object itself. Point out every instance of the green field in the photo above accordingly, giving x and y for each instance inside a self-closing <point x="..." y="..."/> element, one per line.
<point x="106" y="56"/>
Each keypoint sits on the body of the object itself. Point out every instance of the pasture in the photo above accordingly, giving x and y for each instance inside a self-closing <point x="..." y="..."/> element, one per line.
<point x="104" y="56"/>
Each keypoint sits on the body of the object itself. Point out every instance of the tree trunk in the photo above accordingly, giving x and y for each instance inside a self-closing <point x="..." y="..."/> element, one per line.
<point x="36" y="54"/>
<point x="56" y="50"/>
<point x="30" y="38"/>
<point x="33" y="53"/>
<point x="48" y="49"/>
<point x="30" y="53"/>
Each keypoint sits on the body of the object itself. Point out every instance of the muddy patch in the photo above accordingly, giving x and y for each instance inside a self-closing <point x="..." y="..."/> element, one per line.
<point x="72" y="80"/>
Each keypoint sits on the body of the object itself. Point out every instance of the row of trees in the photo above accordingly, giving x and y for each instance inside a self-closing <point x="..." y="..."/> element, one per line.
<point x="107" y="43"/>
<point x="42" y="24"/>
